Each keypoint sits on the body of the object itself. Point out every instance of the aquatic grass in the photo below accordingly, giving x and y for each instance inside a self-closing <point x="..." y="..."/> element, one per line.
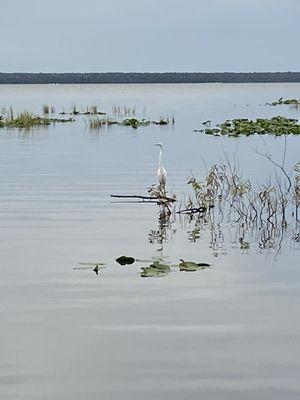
<point x="75" y="110"/>
<point x="224" y="194"/>
<point x="98" y="123"/>
<point x="28" y="120"/>
<point x="123" y="110"/>
<point x="92" y="110"/>
<point x="46" y="109"/>
<point x="25" y="120"/>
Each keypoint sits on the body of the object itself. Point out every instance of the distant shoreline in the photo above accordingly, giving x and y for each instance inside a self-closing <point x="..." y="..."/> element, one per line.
<point x="148" y="77"/>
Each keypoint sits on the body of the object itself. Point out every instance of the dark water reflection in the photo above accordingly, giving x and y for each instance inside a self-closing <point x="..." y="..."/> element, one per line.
<point x="230" y="331"/>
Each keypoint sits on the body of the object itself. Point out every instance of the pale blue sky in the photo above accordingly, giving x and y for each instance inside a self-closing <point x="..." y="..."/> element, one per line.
<point x="149" y="35"/>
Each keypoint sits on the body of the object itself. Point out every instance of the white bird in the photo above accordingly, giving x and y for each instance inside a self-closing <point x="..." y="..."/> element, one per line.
<point x="161" y="172"/>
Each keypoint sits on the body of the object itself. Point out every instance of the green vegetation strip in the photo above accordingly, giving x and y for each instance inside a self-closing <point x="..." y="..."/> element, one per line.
<point x="28" y="120"/>
<point x="276" y="126"/>
<point x="98" y="123"/>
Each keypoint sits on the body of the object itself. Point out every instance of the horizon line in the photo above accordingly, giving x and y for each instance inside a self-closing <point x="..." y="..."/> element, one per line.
<point x="155" y="72"/>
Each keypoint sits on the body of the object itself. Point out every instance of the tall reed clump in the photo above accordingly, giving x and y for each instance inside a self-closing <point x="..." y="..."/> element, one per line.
<point x="46" y="109"/>
<point x="123" y="110"/>
<point x="266" y="211"/>
<point x="25" y="119"/>
<point x="94" y="109"/>
<point x="224" y="187"/>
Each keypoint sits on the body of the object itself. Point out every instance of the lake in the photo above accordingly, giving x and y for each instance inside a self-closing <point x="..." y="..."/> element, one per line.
<point x="231" y="331"/>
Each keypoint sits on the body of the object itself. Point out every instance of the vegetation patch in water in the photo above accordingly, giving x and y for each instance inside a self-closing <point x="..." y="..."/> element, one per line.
<point x="97" y="123"/>
<point x="244" y="127"/>
<point x="28" y="120"/>
<point x="282" y="101"/>
<point x="135" y="123"/>
<point x="25" y="120"/>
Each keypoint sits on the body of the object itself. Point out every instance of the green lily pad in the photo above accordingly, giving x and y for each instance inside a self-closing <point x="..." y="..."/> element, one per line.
<point x="161" y="266"/>
<point x="191" y="266"/>
<point x="155" y="269"/>
<point x="123" y="260"/>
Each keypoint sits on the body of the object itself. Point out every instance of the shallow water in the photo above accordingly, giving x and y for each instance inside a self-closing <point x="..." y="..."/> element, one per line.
<point x="229" y="332"/>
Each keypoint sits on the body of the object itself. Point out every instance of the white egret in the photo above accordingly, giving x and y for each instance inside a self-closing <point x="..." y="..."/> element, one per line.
<point x="161" y="172"/>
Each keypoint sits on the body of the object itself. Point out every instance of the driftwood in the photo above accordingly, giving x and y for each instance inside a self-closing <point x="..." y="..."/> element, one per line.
<point x="145" y="199"/>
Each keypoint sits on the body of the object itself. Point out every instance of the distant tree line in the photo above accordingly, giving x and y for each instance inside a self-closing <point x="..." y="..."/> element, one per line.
<point x="149" y="77"/>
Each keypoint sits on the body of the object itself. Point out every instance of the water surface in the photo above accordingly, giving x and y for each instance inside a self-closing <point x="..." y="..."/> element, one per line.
<point x="228" y="332"/>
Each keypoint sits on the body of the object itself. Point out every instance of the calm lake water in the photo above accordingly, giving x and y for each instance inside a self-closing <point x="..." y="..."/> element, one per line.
<point x="228" y="332"/>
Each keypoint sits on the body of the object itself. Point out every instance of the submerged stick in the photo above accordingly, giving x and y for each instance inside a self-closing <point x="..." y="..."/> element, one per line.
<point x="192" y="210"/>
<point x="135" y="202"/>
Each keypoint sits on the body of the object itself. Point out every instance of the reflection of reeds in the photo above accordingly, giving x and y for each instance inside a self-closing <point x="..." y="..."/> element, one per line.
<point x="97" y="123"/>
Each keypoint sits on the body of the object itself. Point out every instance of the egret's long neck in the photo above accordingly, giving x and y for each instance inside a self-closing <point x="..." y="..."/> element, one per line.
<point x="159" y="158"/>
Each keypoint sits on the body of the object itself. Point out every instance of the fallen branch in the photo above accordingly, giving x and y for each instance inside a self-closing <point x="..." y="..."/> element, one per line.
<point x="160" y="200"/>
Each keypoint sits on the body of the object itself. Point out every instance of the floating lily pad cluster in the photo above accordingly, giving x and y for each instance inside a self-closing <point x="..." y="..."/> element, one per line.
<point x="244" y="127"/>
<point x="159" y="268"/>
<point x="156" y="268"/>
